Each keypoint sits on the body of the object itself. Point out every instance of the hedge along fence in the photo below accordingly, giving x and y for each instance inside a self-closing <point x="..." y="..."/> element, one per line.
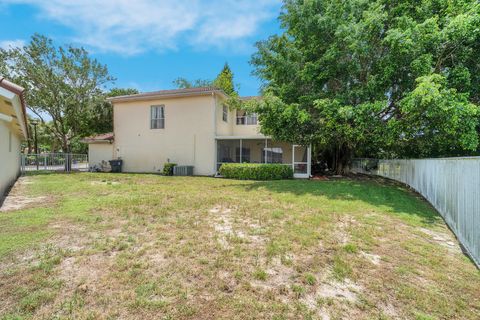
<point x="451" y="185"/>
<point x="256" y="171"/>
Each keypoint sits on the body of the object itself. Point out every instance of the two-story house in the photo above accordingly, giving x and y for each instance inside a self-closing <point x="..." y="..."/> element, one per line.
<point x="189" y="127"/>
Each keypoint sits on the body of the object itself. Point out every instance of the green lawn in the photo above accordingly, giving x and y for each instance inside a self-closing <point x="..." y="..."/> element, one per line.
<point x="106" y="246"/>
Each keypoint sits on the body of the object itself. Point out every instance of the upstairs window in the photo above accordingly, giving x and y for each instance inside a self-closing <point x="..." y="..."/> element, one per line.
<point x="225" y="113"/>
<point x="244" y="118"/>
<point x="157" y="117"/>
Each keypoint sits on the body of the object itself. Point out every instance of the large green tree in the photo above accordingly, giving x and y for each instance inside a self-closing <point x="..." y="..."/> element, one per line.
<point x="184" y="83"/>
<point x="99" y="119"/>
<point x="63" y="85"/>
<point x="224" y="81"/>
<point x="3" y="63"/>
<point x="373" y="77"/>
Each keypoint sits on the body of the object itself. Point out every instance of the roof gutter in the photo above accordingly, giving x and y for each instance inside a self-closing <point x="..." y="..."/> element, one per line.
<point x="153" y="96"/>
<point x="16" y="89"/>
<point x="5" y="117"/>
<point x="89" y="141"/>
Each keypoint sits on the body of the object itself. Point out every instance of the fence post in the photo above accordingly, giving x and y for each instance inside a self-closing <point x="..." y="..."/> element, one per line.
<point x="69" y="162"/>
<point x="22" y="163"/>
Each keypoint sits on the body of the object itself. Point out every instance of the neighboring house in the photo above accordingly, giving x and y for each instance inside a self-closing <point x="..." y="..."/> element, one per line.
<point x="189" y="127"/>
<point x="100" y="148"/>
<point x="13" y="130"/>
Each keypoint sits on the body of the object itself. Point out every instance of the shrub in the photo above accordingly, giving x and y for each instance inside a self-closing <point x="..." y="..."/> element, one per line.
<point x="168" y="168"/>
<point x="254" y="171"/>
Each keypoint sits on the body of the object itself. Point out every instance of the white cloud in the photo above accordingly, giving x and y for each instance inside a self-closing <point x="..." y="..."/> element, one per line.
<point x="8" y="44"/>
<point x="134" y="26"/>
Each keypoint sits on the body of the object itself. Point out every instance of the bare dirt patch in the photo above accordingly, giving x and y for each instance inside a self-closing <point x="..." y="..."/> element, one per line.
<point x="16" y="198"/>
<point x="96" y="183"/>
<point x="329" y="294"/>
<point x="343" y="226"/>
<point x="84" y="272"/>
<point x="346" y="290"/>
<point x="226" y="225"/>
<point x="389" y="310"/>
<point x="13" y="203"/>
<point x="373" y="258"/>
<point x="279" y="276"/>
<point x="69" y="236"/>
<point x="443" y="239"/>
<point x="223" y="225"/>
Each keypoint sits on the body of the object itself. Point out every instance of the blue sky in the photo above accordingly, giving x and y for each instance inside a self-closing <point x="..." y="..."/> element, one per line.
<point x="146" y="44"/>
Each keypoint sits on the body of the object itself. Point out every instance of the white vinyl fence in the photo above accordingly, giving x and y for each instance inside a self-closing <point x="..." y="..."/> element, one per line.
<point x="451" y="185"/>
<point x="54" y="162"/>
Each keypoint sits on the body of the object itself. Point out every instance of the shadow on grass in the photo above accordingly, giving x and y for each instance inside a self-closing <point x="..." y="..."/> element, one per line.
<point x="380" y="193"/>
<point x="393" y="196"/>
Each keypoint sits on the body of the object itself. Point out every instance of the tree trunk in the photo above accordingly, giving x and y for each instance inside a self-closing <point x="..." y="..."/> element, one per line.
<point x="66" y="151"/>
<point x="341" y="158"/>
<point x="65" y="144"/>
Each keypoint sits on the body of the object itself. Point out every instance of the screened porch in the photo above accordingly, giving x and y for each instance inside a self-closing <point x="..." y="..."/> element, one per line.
<point x="264" y="151"/>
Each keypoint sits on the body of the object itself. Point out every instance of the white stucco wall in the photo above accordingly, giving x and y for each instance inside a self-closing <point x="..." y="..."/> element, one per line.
<point x="9" y="157"/>
<point x="187" y="139"/>
<point x="247" y="130"/>
<point x="230" y="128"/>
<point x="98" y="152"/>
<point x="223" y="128"/>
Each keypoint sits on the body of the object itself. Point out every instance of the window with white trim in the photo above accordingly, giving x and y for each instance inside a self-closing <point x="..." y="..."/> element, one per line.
<point x="244" y="118"/>
<point x="157" y="117"/>
<point x="225" y="113"/>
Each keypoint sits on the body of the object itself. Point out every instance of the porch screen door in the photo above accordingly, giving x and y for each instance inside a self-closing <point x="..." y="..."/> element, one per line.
<point x="300" y="161"/>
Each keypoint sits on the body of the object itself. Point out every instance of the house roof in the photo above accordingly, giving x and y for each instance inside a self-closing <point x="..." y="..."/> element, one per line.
<point x="247" y="98"/>
<point x="174" y="93"/>
<point x="98" y="138"/>
<point x="19" y="91"/>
